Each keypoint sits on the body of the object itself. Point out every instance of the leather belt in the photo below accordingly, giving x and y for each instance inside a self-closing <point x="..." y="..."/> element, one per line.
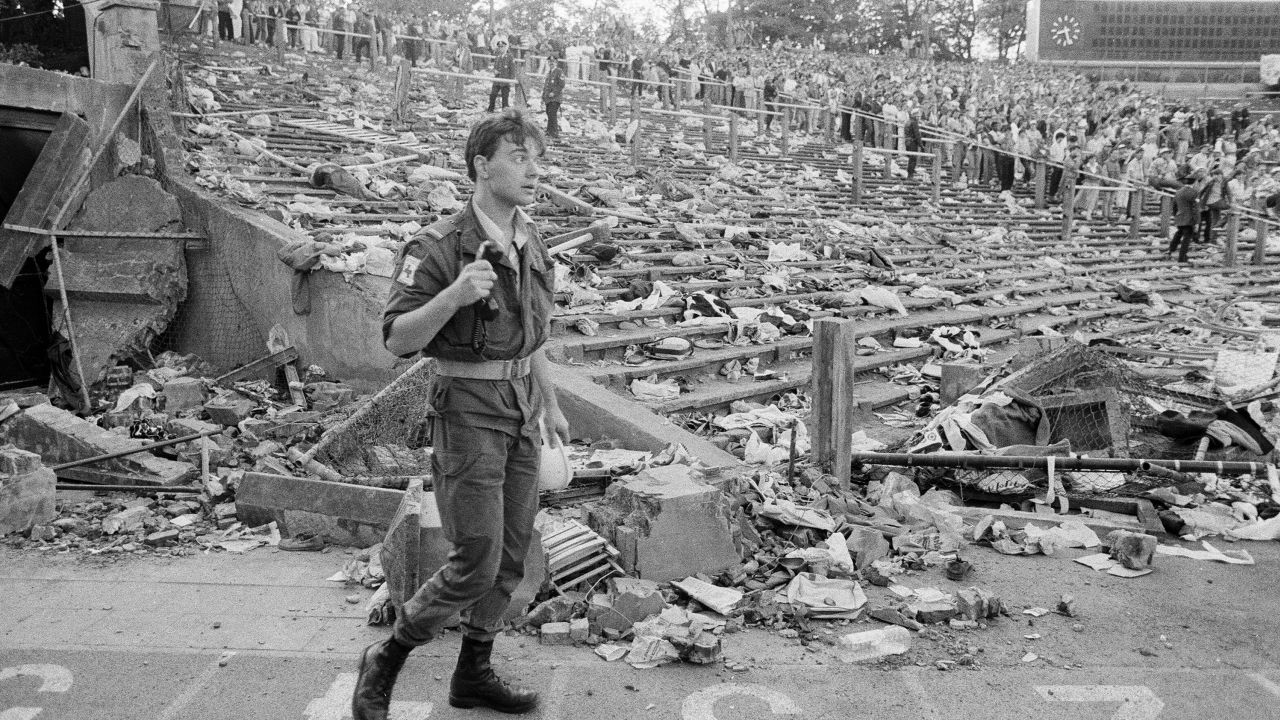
<point x="485" y="369"/>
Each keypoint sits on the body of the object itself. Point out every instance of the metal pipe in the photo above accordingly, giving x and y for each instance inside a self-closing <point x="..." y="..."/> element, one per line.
<point x="1016" y="462"/>
<point x="135" y="451"/>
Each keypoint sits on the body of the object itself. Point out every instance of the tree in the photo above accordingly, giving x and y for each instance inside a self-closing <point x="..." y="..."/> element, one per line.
<point x="1005" y="22"/>
<point x="954" y="25"/>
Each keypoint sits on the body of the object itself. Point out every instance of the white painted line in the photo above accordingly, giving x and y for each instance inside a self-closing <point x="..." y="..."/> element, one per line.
<point x="553" y="696"/>
<point x="1262" y="680"/>
<point x="20" y="713"/>
<point x="194" y="689"/>
<point x="1137" y="702"/>
<point x="701" y="705"/>
<point x="336" y="703"/>
<point x="53" y="678"/>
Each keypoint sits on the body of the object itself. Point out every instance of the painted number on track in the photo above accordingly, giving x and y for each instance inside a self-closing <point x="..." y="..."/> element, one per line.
<point x="1137" y="702"/>
<point x="336" y="703"/>
<point x="702" y="704"/>
<point x="53" y="679"/>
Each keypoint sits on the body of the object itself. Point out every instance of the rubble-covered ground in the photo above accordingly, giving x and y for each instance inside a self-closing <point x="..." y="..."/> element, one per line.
<point x="699" y="305"/>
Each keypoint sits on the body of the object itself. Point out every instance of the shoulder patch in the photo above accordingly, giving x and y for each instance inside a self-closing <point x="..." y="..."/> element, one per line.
<point x="407" y="270"/>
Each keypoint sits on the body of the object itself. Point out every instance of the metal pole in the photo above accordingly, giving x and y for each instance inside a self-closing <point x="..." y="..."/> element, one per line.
<point x="134" y="451"/>
<point x="1018" y="462"/>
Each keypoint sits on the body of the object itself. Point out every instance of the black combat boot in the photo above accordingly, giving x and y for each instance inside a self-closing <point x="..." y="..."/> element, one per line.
<point x="474" y="683"/>
<point x="380" y="663"/>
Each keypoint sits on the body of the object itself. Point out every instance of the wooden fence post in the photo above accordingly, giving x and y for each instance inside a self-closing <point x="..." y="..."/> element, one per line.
<point x="1068" y="202"/>
<point x="1041" y="182"/>
<point x="733" y="136"/>
<point x="1137" y="197"/>
<point x="786" y="131"/>
<point x="1233" y="236"/>
<point x="706" y="122"/>
<point x="857" y="171"/>
<point x="888" y="166"/>
<point x="1260" y="227"/>
<point x="1166" y="215"/>
<point x="937" y="173"/>
<point x="834" y="352"/>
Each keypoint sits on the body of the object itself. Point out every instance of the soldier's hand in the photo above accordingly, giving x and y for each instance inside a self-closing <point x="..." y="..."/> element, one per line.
<point x="474" y="283"/>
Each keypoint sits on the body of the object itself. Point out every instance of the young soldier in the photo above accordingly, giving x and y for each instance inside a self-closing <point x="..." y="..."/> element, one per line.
<point x="485" y="321"/>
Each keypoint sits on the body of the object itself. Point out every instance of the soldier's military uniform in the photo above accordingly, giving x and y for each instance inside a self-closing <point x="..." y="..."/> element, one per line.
<point x="485" y="409"/>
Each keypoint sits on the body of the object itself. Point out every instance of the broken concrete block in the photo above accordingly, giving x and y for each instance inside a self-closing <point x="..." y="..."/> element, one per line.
<point x="1135" y="551"/>
<point x="325" y="396"/>
<point x="579" y="630"/>
<point x="681" y="525"/>
<point x="866" y="545"/>
<point x="704" y="650"/>
<point x="895" y="617"/>
<point x="958" y="379"/>
<point x="162" y="537"/>
<point x="229" y="412"/>
<point x="183" y="393"/>
<point x="560" y="608"/>
<point x="26" y="491"/>
<point x="127" y="520"/>
<point x="933" y="611"/>
<point x="977" y="604"/>
<point x="59" y="436"/>
<point x="555" y="633"/>
<point x="635" y="599"/>
<point x="603" y="619"/>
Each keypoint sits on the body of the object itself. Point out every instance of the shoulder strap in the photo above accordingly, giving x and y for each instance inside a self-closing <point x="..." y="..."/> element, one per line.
<point x="443" y="227"/>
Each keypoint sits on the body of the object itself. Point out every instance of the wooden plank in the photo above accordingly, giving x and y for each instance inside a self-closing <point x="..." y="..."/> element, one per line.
<point x="270" y="362"/>
<point x="834" y="352"/>
<point x="42" y="194"/>
<point x="1018" y="519"/>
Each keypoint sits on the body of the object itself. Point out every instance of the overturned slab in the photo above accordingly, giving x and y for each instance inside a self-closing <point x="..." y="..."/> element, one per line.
<point x="26" y="491"/>
<point x="58" y="436"/>
<point x="340" y="513"/>
<point x="667" y="524"/>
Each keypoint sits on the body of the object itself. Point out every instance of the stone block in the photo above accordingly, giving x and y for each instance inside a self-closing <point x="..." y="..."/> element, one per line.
<point x="26" y="491"/>
<point x="556" y="633"/>
<point x="162" y="537"/>
<point x="560" y="608"/>
<point x="681" y="525"/>
<point x="326" y="396"/>
<point x="127" y="520"/>
<point x="603" y="618"/>
<point x="635" y="599"/>
<point x="59" y="436"/>
<point x="183" y="393"/>
<point x="704" y="650"/>
<point x="1135" y="551"/>
<point x="229" y="412"/>
<point x="929" y="612"/>
<point x="579" y="630"/>
<point x="958" y="379"/>
<point x="977" y="604"/>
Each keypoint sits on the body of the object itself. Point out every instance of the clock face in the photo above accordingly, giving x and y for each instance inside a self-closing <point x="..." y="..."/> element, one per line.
<point x="1065" y="30"/>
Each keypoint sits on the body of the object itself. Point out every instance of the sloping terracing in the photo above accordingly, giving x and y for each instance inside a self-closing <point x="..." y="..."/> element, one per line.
<point x="734" y="257"/>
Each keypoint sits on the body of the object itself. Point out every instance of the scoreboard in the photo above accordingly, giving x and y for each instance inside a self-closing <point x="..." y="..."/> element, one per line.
<point x="1176" y="31"/>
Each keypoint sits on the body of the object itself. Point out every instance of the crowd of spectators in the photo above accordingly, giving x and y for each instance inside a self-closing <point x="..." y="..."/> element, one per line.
<point x="993" y="120"/>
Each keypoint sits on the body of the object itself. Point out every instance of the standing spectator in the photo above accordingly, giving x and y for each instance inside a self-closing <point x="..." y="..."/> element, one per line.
<point x="1212" y="200"/>
<point x="770" y="94"/>
<point x="383" y="36"/>
<point x="340" y="27"/>
<point x="914" y="140"/>
<point x="361" y="41"/>
<point x="412" y="44"/>
<point x="1163" y="171"/>
<point x="292" y="16"/>
<point x="275" y="11"/>
<point x="248" y="22"/>
<point x="226" y="31"/>
<point x="1239" y="120"/>
<point x="310" y="21"/>
<point x="1184" y="218"/>
<point x="504" y="68"/>
<point x="552" y="94"/>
